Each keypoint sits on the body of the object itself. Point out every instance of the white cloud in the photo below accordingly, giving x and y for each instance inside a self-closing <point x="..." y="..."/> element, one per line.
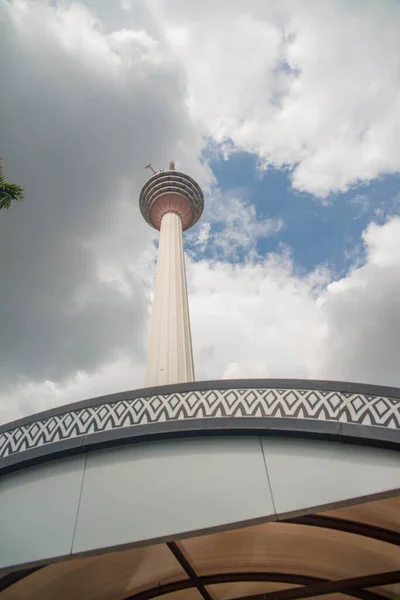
<point x="362" y="339"/>
<point x="231" y="228"/>
<point x="241" y="227"/>
<point x="313" y="86"/>
<point x="26" y="397"/>
<point x="257" y="319"/>
<point x="262" y="319"/>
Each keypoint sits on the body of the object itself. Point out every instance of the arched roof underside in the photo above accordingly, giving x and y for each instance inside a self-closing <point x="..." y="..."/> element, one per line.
<point x="351" y="552"/>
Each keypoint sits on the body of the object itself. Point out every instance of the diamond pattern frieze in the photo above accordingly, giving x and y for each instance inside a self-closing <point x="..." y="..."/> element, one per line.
<point x="372" y="410"/>
<point x="230" y="403"/>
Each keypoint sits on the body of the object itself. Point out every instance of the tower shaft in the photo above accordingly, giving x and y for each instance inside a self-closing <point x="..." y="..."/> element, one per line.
<point x="170" y="357"/>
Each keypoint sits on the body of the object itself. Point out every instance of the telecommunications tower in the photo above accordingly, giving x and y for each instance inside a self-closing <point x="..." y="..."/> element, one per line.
<point x="171" y="202"/>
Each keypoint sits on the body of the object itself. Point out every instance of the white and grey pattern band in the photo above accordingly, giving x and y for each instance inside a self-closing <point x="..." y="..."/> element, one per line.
<point x="342" y="405"/>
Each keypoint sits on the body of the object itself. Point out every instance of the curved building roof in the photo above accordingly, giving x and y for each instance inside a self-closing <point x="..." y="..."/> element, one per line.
<point x="250" y="490"/>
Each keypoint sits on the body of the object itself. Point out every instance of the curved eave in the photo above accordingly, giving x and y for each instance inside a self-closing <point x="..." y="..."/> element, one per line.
<point x="336" y="411"/>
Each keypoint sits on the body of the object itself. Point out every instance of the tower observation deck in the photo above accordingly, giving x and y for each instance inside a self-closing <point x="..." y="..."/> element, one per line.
<point x="171" y="202"/>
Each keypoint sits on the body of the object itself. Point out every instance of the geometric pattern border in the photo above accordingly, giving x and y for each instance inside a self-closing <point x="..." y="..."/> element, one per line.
<point x="312" y="404"/>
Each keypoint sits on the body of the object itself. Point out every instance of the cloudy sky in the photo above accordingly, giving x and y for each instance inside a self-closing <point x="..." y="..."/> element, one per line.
<point x="288" y="115"/>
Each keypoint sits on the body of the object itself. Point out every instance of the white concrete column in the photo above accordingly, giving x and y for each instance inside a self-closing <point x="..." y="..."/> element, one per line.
<point x="170" y="357"/>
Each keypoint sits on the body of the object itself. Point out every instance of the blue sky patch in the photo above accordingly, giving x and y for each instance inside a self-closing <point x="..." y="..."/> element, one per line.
<point x="317" y="233"/>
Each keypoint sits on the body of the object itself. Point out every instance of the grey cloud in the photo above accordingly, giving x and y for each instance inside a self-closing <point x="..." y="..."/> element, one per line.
<point x="363" y="329"/>
<point x="71" y="134"/>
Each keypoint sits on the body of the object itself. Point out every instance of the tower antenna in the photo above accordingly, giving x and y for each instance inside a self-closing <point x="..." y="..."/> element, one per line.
<point x="149" y="166"/>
